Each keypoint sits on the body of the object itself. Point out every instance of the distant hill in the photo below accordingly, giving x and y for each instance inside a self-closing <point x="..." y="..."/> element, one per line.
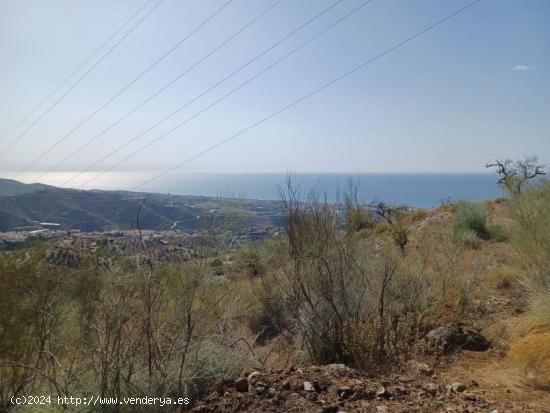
<point x="12" y="187"/>
<point x="23" y="205"/>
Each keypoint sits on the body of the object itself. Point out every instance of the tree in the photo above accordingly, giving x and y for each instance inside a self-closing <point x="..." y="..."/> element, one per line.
<point x="515" y="175"/>
<point x="399" y="232"/>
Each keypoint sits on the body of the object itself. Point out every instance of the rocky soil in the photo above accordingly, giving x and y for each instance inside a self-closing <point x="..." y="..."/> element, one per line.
<point x="336" y="388"/>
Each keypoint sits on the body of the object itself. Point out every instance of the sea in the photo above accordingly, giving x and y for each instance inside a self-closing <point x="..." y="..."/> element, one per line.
<point x="425" y="190"/>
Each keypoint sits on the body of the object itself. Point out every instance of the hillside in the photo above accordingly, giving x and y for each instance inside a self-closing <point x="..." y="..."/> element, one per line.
<point x="10" y="187"/>
<point x="348" y="311"/>
<point x="23" y="205"/>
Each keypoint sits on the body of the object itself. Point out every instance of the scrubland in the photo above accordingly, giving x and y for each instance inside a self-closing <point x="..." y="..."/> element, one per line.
<point x="343" y="284"/>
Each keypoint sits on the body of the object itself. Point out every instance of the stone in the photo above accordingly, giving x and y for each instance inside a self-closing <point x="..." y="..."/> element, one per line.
<point x="382" y="392"/>
<point x="401" y="390"/>
<point x="458" y="387"/>
<point x="260" y="389"/>
<point x="474" y="341"/>
<point x="405" y="379"/>
<point x="344" y="391"/>
<point x="446" y="338"/>
<point x="308" y="386"/>
<point x="241" y="385"/>
<point x="254" y="377"/>
<point x="430" y="388"/>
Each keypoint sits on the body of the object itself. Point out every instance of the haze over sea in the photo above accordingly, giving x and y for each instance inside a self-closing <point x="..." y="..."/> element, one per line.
<point x="414" y="189"/>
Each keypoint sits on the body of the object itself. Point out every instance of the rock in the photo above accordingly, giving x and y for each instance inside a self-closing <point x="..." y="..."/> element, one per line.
<point x="382" y="409"/>
<point x="458" y="387"/>
<point x="336" y="366"/>
<point x="430" y="388"/>
<point x="344" y="391"/>
<point x="446" y="338"/>
<point x="296" y="384"/>
<point x="254" y="377"/>
<point x="405" y="379"/>
<point x="241" y="385"/>
<point x="308" y="386"/>
<point x="382" y="392"/>
<point x="474" y="341"/>
<point x="442" y="339"/>
<point x="401" y="390"/>
<point x="260" y="389"/>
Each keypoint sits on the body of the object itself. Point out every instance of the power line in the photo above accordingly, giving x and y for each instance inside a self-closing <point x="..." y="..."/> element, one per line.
<point x="80" y="79"/>
<point x="75" y="71"/>
<point x="278" y="42"/>
<point x="166" y="86"/>
<point x="310" y="94"/>
<point x="126" y="87"/>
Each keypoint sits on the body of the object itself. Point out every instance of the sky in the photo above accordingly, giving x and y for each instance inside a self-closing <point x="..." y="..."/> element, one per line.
<point x="473" y="89"/>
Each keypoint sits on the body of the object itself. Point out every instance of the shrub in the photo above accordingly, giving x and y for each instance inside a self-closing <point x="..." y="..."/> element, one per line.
<point x="363" y="309"/>
<point x="249" y="261"/>
<point x="466" y="237"/>
<point x="470" y="216"/>
<point x="470" y="223"/>
<point x="501" y="277"/>
<point x="358" y="219"/>
<point x="498" y="233"/>
<point x="217" y="267"/>
<point x="530" y="211"/>
<point x="418" y="215"/>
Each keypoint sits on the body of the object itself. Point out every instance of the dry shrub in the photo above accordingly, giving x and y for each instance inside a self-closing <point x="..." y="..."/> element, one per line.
<point x="449" y="208"/>
<point x="418" y="215"/>
<point x="531" y="357"/>
<point x="501" y="277"/>
<point x="362" y="306"/>
<point x="382" y="227"/>
<point x="531" y="237"/>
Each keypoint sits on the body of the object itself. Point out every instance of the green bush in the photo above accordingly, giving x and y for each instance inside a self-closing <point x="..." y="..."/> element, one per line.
<point x="470" y="220"/>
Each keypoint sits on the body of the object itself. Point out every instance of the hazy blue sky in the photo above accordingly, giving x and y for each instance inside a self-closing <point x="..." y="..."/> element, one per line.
<point x="476" y="88"/>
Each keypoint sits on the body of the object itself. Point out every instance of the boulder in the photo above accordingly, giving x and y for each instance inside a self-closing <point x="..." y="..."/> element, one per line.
<point x="450" y="337"/>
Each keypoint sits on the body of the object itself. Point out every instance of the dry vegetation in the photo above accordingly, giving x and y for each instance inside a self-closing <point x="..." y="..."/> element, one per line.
<point x="342" y="286"/>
